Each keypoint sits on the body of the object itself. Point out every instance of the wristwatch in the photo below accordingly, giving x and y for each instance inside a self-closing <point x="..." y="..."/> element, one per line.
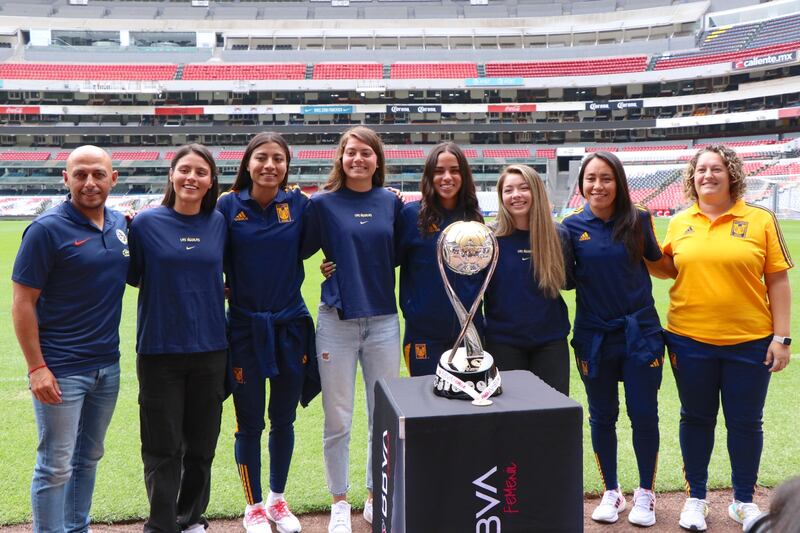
<point x="783" y="340"/>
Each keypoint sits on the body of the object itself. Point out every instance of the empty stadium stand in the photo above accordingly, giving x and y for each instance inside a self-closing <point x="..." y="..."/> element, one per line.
<point x="405" y="154"/>
<point x="230" y="155"/>
<point x="316" y="154"/>
<point x="348" y="71"/>
<point x="507" y="153"/>
<point x="51" y="71"/>
<point x="135" y="156"/>
<point x="433" y="70"/>
<point x="263" y="71"/>
<point x="587" y="67"/>
<point x="695" y="59"/>
<point x="24" y="156"/>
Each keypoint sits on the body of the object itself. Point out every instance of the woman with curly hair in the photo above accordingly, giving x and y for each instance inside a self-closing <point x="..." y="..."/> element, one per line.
<point x="448" y="195"/>
<point x="727" y="327"/>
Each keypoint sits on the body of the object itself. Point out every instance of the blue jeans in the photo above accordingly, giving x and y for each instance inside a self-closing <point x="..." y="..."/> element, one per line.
<point x="341" y="344"/>
<point x="71" y="436"/>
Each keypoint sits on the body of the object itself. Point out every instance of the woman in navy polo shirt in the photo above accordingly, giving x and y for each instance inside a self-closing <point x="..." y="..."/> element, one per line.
<point x="271" y="332"/>
<point x="526" y="318"/>
<point x="353" y="222"/>
<point x="448" y="195"/>
<point x="176" y="261"/>
<point x="617" y="334"/>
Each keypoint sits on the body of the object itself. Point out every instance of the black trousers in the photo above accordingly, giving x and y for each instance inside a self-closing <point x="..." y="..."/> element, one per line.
<point x="549" y="361"/>
<point x="180" y="408"/>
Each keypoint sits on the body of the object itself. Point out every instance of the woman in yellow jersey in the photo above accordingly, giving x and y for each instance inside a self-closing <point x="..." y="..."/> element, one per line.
<point x="728" y="325"/>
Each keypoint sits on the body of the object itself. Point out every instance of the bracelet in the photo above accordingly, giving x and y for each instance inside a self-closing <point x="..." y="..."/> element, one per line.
<point x="43" y="365"/>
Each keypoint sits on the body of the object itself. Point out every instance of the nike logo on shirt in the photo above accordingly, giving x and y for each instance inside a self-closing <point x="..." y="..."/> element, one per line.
<point x="79" y="243"/>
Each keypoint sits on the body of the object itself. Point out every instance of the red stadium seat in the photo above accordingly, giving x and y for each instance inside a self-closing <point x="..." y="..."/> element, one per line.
<point x="692" y="60"/>
<point x="348" y="71"/>
<point x="60" y="71"/>
<point x="577" y="67"/>
<point x="406" y="71"/>
<point x="264" y="71"/>
<point x="405" y="154"/>
<point x="230" y="155"/>
<point x="316" y="154"/>
<point x="135" y="156"/>
<point x="24" y="156"/>
<point x="514" y="153"/>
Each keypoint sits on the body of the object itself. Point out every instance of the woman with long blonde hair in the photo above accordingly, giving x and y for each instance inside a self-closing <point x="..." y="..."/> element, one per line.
<point x="526" y="318"/>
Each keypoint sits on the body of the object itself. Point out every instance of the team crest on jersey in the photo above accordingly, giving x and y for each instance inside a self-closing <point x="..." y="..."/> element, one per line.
<point x="739" y="229"/>
<point x="421" y="351"/>
<point x="688" y="230"/>
<point x="125" y="252"/>
<point x="122" y="237"/>
<point x="584" y="236"/>
<point x="238" y="374"/>
<point x="241" y="217"/>
<point x="283" y="213"/>
<point x="583" y="365"/>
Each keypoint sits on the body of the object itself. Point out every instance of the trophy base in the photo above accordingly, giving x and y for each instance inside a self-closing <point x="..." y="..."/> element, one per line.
<point x="467" y="378"/>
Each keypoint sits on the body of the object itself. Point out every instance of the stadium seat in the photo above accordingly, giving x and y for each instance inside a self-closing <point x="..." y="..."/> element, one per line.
<point x="264" y="71"/>
<point x="405" y="154"/>
<point x="24" y="156"/>
<point x="701" y="58"/>
<point x="316" y="154"/>
<point x="513" y="153"/>
<point x="348" y="71"/>
<point x="59" y="71"/>
<point x="230" y="155"/>
<point x="433" y="70"/>
<point x="576" y="67"/>
<point x="135" y="156"/>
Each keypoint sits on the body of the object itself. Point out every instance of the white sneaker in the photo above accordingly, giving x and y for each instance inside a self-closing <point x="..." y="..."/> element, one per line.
<point x="195" y="528"/>
<point x="368" y="511"/>
<point x="693" y="515"/>
<point x="611" y="505"/>
<point x="643" y="512"/>
<point x="255" y="519"/>
<point x="744" y="513"/>
<point x="340" y="518"/>
<point x="279" y="513"/>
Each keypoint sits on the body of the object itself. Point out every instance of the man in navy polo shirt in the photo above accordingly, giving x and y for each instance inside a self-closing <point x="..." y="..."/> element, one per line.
<point x="69" y="277"/>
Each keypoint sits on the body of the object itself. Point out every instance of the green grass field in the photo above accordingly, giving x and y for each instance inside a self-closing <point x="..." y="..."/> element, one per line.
<point x="120" y="493"/>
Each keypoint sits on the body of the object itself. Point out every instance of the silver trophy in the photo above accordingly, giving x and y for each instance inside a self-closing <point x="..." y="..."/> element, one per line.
<point x="466" y="371"/>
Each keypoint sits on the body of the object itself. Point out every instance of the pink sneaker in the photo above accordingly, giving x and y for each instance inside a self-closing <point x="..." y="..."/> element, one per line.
<point x="285" y="521"/>
<point x="255" y="519"/>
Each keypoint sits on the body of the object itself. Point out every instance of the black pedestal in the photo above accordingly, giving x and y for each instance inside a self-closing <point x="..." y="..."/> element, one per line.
<point x="444" y="465"/>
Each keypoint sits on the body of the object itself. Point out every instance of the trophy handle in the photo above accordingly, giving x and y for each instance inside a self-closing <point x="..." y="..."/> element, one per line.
<point x="469" y="334"/>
